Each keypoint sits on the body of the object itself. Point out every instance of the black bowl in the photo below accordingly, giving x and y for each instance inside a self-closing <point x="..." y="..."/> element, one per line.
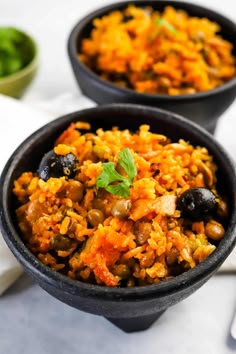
<point x="129" y="308"/>
<point x="202" y="108"/>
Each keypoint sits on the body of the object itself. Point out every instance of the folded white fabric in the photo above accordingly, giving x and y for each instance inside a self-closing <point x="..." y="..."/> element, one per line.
<point x="10" y="269"/>
<point x="18" y="120"/>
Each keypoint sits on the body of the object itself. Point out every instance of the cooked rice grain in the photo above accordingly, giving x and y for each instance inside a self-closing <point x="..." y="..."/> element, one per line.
<point x="152" y="243"/>
<point x="166" y="53"/>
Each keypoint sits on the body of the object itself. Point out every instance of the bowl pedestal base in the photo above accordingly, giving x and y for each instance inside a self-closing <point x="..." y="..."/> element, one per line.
<point x="135" y="324"/>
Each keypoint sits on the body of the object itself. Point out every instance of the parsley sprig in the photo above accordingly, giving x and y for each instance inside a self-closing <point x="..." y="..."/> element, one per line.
<point x="109" y="175"/>
<point x="162" y="22"/>
<point x="16" y="51"/>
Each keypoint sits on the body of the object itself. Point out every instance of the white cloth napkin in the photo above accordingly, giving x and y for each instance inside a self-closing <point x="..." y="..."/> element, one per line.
<point x="18" y="120"/>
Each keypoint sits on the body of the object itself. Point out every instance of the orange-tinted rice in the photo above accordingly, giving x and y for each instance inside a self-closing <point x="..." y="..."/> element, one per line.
<point x="151" y="52"/>
<point x="152" y="243"/>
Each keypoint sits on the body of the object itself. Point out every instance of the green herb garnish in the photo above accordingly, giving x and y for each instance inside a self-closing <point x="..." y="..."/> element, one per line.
<point x="162" y="22"/>
<point x="16" y="50"/>
<point x="109" y="175"/>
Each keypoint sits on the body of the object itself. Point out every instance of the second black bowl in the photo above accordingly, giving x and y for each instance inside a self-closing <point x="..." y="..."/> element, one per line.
<point x="202" y="108"/>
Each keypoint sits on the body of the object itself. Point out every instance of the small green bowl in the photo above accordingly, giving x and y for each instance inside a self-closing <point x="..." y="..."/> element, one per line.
<point x="14" y="85"/>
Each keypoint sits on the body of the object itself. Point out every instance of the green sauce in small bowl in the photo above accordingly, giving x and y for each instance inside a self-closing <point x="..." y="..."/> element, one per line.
<point x="18" y="61"/>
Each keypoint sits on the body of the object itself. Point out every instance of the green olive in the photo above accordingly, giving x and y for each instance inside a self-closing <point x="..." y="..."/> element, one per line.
<point x="61" y="242"/>
<point x="121" y="208"/>
<point x="95" y="217"/>
<point x="75" y="191"/>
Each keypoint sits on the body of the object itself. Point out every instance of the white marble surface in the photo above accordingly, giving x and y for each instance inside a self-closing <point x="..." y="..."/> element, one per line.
<point x="31" y="321"/>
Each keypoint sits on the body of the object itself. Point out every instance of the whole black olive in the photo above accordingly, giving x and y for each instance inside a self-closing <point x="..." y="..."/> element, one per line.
<point x="197" y="203"/>
<point x="53" y="165"/>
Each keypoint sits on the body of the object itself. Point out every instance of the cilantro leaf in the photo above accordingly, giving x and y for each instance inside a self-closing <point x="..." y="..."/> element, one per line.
<point x="127" y="162"/>
<point x="162" y="22"/>
<point x="121" y="189"/>
<point x="109" y="175"/>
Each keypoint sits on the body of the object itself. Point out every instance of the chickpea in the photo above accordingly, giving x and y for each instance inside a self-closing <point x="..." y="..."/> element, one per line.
<point x="142" y="230"/>
<point x="121" y="208"/>
<point x="61" y="242"/>
<point x="214" y="230"/>
<point x="75" y="191"/>
<point x="95" y="217"/>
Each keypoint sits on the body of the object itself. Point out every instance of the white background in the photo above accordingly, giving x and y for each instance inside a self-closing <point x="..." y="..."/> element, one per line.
<point x="31" y="321"/>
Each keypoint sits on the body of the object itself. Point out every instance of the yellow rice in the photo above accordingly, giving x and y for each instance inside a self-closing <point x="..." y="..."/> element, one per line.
<point x="153" y="243"/>
<point x="151" y="52"/>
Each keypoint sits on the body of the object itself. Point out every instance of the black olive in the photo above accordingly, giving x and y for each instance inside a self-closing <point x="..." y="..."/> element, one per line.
<point x="53" y="165"/>
<point x="197" y="203"/>
<point x="127" y="18"/>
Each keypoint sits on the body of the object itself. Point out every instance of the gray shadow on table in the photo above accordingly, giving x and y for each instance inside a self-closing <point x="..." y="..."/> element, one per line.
<point x="230" y="341"/>
<point x="22" y="284"/>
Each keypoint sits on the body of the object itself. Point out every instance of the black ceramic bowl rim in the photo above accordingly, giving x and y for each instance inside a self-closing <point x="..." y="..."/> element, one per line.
<point x="42" y="273"/>
<point x="72" y="49"/>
